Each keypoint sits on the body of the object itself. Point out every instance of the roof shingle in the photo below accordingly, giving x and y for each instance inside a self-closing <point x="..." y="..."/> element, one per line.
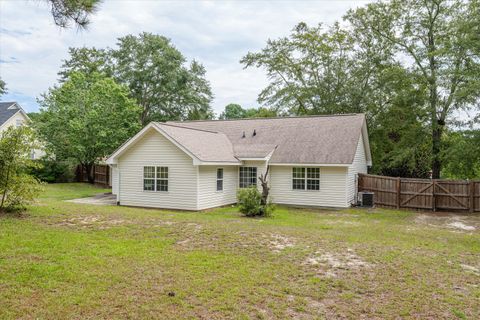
<point x="309" y="140"/>
<point x="5" y="112"/>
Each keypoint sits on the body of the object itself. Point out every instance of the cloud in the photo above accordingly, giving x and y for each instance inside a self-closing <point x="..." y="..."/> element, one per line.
<point x="216" y="33"/>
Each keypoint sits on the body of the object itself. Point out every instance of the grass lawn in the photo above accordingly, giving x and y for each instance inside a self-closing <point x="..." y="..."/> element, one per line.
<point x="61" y="260"/>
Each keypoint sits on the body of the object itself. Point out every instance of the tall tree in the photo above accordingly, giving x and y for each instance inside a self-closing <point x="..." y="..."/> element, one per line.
<point x="438" y="41"/>
<point x="310" y="71"/>
<point x="87" y="118"/>
<point x="158" y="80"/>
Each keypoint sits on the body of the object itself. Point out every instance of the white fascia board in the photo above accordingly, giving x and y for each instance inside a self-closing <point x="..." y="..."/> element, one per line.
<point x="311" y="164"/>
<point x="215" y="163"/>
<point x="253" y="159"/>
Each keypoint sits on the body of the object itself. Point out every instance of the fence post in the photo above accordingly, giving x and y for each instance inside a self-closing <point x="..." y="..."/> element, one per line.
<point x="472" y="194"/>
<point x="399" y="191"/>
<point x="434" y="199"/>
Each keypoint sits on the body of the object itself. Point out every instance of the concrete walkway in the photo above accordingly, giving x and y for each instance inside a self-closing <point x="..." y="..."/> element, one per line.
<point x="102" y="199"/>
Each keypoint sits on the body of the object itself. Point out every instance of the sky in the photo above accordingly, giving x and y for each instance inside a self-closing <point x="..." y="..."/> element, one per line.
<point x="215" y="33"/>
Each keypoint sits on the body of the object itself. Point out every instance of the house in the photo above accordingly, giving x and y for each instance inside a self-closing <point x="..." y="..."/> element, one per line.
<point x="196" y="165"/>
<point x="11" y="114"/>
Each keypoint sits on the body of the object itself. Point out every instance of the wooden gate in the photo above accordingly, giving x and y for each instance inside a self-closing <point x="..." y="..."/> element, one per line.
<point x="101" y="172"/>
<point x="423" y="194"/>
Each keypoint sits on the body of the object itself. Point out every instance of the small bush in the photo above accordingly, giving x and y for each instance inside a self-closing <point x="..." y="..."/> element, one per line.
<point x="250" y="203"/>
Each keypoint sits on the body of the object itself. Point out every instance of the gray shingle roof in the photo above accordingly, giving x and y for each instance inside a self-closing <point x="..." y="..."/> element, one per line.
<point x="209" y="146"/>
<point x="315" y="139"/>
<point x="5" y="112"/>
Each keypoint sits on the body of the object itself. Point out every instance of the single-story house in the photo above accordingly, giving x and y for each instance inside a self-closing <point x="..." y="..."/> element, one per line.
<point x="196" y="165"/>
<point x="11" y="114"/>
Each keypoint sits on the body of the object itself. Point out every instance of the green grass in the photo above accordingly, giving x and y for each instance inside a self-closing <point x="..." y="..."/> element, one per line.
<point x="61" y="260"/>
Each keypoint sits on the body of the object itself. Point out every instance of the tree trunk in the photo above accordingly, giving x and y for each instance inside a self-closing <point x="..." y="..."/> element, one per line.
<point x="90" y="172"/>
<point x="265" y="188"/>
<point x="436" y="150"/>
<point x="5" y="190"/>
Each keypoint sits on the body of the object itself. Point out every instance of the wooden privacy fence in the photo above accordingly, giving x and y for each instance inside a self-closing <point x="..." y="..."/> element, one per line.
<point x="426" y="194"/>
<point x="102" y="174"/>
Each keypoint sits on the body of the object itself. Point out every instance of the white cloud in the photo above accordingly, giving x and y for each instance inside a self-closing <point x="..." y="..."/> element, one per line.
<point x="216" y="33"/>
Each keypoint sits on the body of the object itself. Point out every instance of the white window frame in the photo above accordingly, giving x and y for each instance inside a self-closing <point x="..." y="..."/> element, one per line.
<point x="308" y="176"/>
<point x="220" y="179"/>
<point x="157" y="177"/>
<point x="249" y="176"/>
<point x="18" y="123"/>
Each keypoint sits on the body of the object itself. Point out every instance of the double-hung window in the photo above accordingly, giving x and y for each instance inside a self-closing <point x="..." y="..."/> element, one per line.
<point x="155" y="178"/>
<point x="247" y="177"/>
<point x="306" y="178"/>
<point x="219" y="179"/>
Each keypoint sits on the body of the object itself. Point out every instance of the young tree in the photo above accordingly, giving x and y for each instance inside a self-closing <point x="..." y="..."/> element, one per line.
<point x="87" y="118"/>
<point x="438" y="41"/>
<point x="16" y="187"/>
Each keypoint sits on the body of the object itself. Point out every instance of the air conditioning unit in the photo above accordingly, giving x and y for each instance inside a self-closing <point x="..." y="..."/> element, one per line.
<point x="366" y="199"/>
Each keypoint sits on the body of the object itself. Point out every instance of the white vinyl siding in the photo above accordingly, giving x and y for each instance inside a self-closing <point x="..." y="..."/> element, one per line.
<point x="114" y="177"/>
<point x="359" y="165"/>
<point x="331" y="194"/>
<point x="208" y="196"/>
<point x="155" y="150"/>
<point x="16" y="118"/>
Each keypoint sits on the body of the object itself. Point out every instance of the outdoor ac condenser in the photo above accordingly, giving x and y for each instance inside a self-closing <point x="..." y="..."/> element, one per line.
<point x="366" y="199"/>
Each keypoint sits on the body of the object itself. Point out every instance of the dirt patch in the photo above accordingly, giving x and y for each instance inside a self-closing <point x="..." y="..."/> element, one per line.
<point x="90" y="221"/>
<point x="278" y="243"/>
<point x="451" y="221"/>
<point x="461" y="226"/>
<point x="331" y="264"/>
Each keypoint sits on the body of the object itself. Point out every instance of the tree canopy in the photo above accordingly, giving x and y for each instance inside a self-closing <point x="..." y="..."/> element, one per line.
<point x="235" y="111"/>
<point x="155" y="73"/>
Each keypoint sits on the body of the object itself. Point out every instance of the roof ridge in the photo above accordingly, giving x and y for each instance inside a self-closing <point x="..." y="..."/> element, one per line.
<point x="273" y="118"/>
<point x="182" y="127"/>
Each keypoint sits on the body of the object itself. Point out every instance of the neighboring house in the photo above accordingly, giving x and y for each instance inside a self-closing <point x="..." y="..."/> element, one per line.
<point x="313" y="161"/>
<point x="11" y="114"/>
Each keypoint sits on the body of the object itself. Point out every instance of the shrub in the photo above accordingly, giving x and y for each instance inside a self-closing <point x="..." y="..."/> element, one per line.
<point x="17" y="188"/>
<point x="250" y="203"/>
<point x="24" y="188"/>
<point x="50" y="171"/>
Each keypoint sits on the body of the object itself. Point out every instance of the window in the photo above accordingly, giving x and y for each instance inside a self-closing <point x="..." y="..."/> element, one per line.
<point x="219" y="179"/>
<point x="313" y="178"/>
<point x="19" y="122"/>
<point x="306" y="178"/>
<point x="155" y="178"/>
<point x="149" y="178"/>
<point x="298" y="179"/>
<point x="162" y="178"/>
<point x="248" y="177"/>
